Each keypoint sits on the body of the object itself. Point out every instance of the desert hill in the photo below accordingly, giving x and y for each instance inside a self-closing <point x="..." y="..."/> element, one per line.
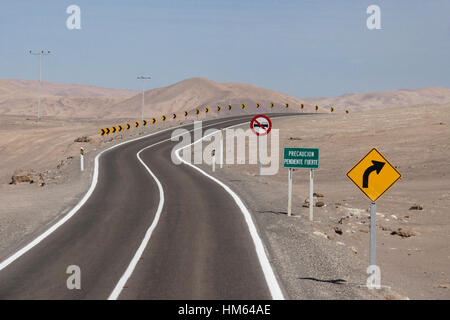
<point x="385" y="99"/>
<point x="19" y="97"/>
<point x="187" y="95"/>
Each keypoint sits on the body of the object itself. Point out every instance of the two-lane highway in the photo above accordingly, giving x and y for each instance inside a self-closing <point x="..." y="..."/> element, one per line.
<point x="200" y="246"/>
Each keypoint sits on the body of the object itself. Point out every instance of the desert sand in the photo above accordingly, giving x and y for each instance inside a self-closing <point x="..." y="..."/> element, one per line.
<point x="412" y="245"/>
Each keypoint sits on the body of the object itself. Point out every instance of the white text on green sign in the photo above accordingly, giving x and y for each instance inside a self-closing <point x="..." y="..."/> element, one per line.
<point x="301" y="158"/>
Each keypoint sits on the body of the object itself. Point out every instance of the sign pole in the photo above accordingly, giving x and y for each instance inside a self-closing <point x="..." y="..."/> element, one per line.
<point x="259" y="157"/>
<point x="289" y="191"/>
<point x="261" y="126"/>
<point x="373" y="224"/>
<point x="82" y="159"/>
<point x="311" y="199"/>
<point x="221" y="149"/>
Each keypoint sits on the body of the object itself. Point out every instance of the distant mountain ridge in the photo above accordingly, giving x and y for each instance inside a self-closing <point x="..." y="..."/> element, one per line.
<point x="386" y="99"/>
<point x="19" y="97"/>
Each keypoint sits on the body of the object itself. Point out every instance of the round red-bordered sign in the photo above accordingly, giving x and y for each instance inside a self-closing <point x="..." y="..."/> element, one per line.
<point x="261" y="125"/>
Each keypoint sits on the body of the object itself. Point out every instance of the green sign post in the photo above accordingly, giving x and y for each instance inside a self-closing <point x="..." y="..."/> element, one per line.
<point x="307" y="158"/>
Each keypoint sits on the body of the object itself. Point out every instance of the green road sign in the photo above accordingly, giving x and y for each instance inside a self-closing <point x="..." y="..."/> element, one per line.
<point x="301" y="158"/>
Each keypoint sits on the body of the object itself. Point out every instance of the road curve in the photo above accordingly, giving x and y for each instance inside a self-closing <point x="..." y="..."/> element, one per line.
<point x="200" y="249"/>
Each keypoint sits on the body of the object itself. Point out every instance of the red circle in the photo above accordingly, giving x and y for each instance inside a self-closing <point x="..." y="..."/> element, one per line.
<point x="252" y="123"/>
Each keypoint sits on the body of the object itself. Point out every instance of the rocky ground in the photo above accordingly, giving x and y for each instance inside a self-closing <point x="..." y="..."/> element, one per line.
<point x="326" y="258"/>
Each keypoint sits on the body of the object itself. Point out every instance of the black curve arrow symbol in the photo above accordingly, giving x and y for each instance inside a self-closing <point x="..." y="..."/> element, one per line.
<point x="377" y="166"/>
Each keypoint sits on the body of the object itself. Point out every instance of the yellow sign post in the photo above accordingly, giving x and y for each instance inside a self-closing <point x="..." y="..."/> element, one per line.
<point x="373" y="175"/>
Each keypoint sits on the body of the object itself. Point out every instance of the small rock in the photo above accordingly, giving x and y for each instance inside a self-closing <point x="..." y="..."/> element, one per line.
<point x="338" y="230"/>
<point x="443" y="286"/>
<point x="343" y="219"/>
<point x="318" y="195"/>
<point x="416" y="207"/>
<point x="320" y="204"/>
<point x="403" y="233"/>
<point x="82" y="139"/>
<point x="340" y="243"/>
<point x="354" y="250"/>
<point x="320" y="234"/>
<point x="22" y="175"/>
<point x="394" y="217"/>
<point x="365" y="230"/>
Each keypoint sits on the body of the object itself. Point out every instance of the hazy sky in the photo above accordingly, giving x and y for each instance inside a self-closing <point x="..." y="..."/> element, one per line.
<point x="307" y="48"/>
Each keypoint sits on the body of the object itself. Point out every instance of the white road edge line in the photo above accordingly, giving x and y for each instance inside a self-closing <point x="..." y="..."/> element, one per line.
<point x="129" y="271"/>
<point x="134" y="261"/>
<point x="269" y="275"/>
<point x="75" y="209"/>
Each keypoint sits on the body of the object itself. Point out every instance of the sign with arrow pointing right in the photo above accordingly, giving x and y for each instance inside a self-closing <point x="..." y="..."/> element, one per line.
<point x="373" y="175"/>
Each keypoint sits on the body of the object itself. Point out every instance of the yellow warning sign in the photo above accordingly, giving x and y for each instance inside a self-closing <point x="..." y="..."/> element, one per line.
<point x="373" y="174"/>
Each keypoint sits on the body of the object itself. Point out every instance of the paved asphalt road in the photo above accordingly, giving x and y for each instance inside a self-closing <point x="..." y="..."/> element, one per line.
<point x="200" y="249"/>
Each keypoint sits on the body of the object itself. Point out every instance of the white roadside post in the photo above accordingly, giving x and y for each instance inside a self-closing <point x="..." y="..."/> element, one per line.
<point x="290" y="192"/>
<point x="311" y="194"/>
<point x="82" y="159"/>
<point x="213" y="161"/>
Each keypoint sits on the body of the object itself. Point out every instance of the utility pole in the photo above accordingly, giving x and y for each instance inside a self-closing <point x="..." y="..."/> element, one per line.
<point x="143" y="78"/>
<point x="40" y="54"/>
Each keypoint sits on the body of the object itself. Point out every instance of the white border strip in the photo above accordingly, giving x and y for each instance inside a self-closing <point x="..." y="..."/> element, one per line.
<point x="129" y="271"/>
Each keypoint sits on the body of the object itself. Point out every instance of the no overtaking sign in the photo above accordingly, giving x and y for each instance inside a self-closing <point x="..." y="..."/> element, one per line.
<point x="261" y="125"/>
